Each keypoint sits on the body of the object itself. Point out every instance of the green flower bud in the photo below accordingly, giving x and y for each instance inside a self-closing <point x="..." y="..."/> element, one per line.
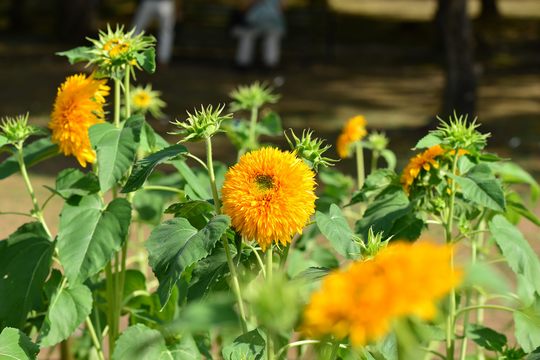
<point x="202" y="124"/>
<point x="247" y="97"/>
<point x="310" y="149"/>
<point x="378" y="141"/>
<point x="16" y="130"/>
<point x="458" y="133"/>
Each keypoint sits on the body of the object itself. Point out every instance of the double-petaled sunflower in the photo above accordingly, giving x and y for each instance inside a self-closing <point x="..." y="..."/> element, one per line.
<point x="269" y="195"/>
<point x="353" y="131"/>
<point x="363" y="300"/>
<point x="78" y="105"/>
<point x="425" y="160"/>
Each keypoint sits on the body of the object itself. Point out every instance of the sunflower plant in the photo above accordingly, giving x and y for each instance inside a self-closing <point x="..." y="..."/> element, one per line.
<point x="163" y="253"/>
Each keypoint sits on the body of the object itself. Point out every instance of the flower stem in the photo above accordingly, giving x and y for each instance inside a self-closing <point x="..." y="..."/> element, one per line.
<point x="127" y="88"/>
<point x="450" y="320"/>
<point x="360" y="164"/>
<point x="230" y="263"/>
<point x="374" y="160"/>
<point x="253" y="127"/>
<point x="162" y="188"/>
<point x="110" y="306"/>
<point x="485" y="306"/>
<point x="269" y="277"/>
<point x="95" y="339"/>
<point x="37" y="213"/>
<point x="117" y="100"/>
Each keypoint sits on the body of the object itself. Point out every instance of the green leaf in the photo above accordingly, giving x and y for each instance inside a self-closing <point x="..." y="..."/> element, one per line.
<point x="147" y="60"/>
<point x="428" y="141"/>
<point x="71" y="182"/>
<point x="185" y="349"/>
<point x="116" y="149"/>
<point x="25" y="261"/>
<point x="150" y="140"/>
<point x="14" y="344"/>
<point x="376" y="182"/>
<point x="208" y="272"/>
<point x="90" y="235"/>
<point x="3" y="140"/>
<point x="78" y="54"/>
<point x="480" y="186"/>
<point x="408" y="227"/>
<point x="140" y="342"/>
<point x="335" y="228"/>
<point x="517" y="251"/>
<point x="193" y="181"/>
<point x="487" y="338"/>
<point x="69" y="307"/>
<point x="390" y="205"/>
<point x="238" y="133"/>
<point x="270" y="125"/>
<point x="149" y="206"/>
<point x="515" y="208"/>
<point x="511" y="173"/>
<point x="34" y="153"/>
<point x="213" y="312"/>
<point x="175" y="245"/>
<point x="249" y="346"/>
<point x="143" y="168"/>
<point x="527" y="326"/>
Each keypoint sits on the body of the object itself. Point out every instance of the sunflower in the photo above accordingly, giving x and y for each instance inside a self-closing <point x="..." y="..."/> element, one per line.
<point x="425" y="160"/>
<point x="78" y="105"/>
<point x="353" y="131"/>
<point x="361" y="301"/>
<point x="269" y="196"/>
<point x="144" y="99"/>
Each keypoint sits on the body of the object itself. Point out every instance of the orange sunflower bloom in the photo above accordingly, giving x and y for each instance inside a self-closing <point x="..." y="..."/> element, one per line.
<point x="425" y="160"/>
<point x="361" y="301"/>
<point x="78" y="105"/>
<point x="269" y="195"/>
<point x="354" y="130"/>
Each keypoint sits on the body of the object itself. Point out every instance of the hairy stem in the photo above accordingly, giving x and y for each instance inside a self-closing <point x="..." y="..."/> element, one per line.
<point x="360" y="164"/>
<point x="253" y="127"/>
<point x="269" y="276"/>
<point x="95" y="339"/>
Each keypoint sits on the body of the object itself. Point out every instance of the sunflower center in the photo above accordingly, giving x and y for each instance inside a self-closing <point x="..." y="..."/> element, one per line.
<point x="264" y="182"/>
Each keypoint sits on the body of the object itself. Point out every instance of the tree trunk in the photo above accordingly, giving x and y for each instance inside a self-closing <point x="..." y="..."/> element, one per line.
<point x="489" y="9"/>
<point x="460" y="89"/>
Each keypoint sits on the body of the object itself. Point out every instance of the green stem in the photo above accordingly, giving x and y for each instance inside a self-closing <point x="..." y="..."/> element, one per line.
<point x="230" y="263"/>
<point x="163" y="188"/>
<point x="334" y="352"/>
<point x="127" y="88"/>
<point x="110" y="306"/>
<point x="450" y="320"/>
<point x="15" y="213"/>
<point x="94" y="337"/>
<point x="269" y="277"/>
<point x="360" y="164"/>
<point x="235" y="284"/>
<point x="212" y="176"/>
<point x="374" y="160"/>
<point x="485" y="306"/>
<point x="37" y="213"/>
<point x="258" y="257"/>
<point x="116" y="119"/>
<point x="253" y="127"/>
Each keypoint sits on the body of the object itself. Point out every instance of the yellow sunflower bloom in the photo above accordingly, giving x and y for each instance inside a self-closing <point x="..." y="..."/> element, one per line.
<point x="354" y="130"/>
<point x="425" y="160"/>
<point x="144" y="99"/>
<point x="361" y="301"/>
<point x="78" y="105"/>
<point x="269" y="196"/>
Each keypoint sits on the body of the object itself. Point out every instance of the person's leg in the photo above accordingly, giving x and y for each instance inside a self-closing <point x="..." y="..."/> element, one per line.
<point x="246" y="44"/>
<point x="271" y="48"/>
<point x="143" y="16"/>
<point x="166" y="13"/>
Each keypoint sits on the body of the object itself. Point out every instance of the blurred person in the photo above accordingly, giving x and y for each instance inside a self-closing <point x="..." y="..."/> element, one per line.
<point x="260" y="19"/>
<point x="165" y="13"/>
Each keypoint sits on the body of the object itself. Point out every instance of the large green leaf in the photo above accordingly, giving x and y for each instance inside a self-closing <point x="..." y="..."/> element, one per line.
<point x="175" y="245"/>
<point x="90" y="234"/>
<point x="116" y="149"/>
<point x="381" y="215"/>
<point x="516" y="250"/>
<point x="249" y="346"/>
<point x="68" y="309"/>
<point x="376" y="182"/>
<point x="335" y="228"/>
<point x="512" y="173"/>
<point x="208" y="272"/>
<point x="428" y="141"/>
<point x="270" y="124"/>
<point x="139" y="342"/>
<point x="33" y="153"/>
<point x="527" y="326"/>
<point x="215" y="311"/>
<point x="71" y="182"/>
<point x="14" y="344"/>
<point x="515" y="209"/>
<point x="25" y="261"/>
<point x="143" y="168"/>
<point x="480" y="186"/>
